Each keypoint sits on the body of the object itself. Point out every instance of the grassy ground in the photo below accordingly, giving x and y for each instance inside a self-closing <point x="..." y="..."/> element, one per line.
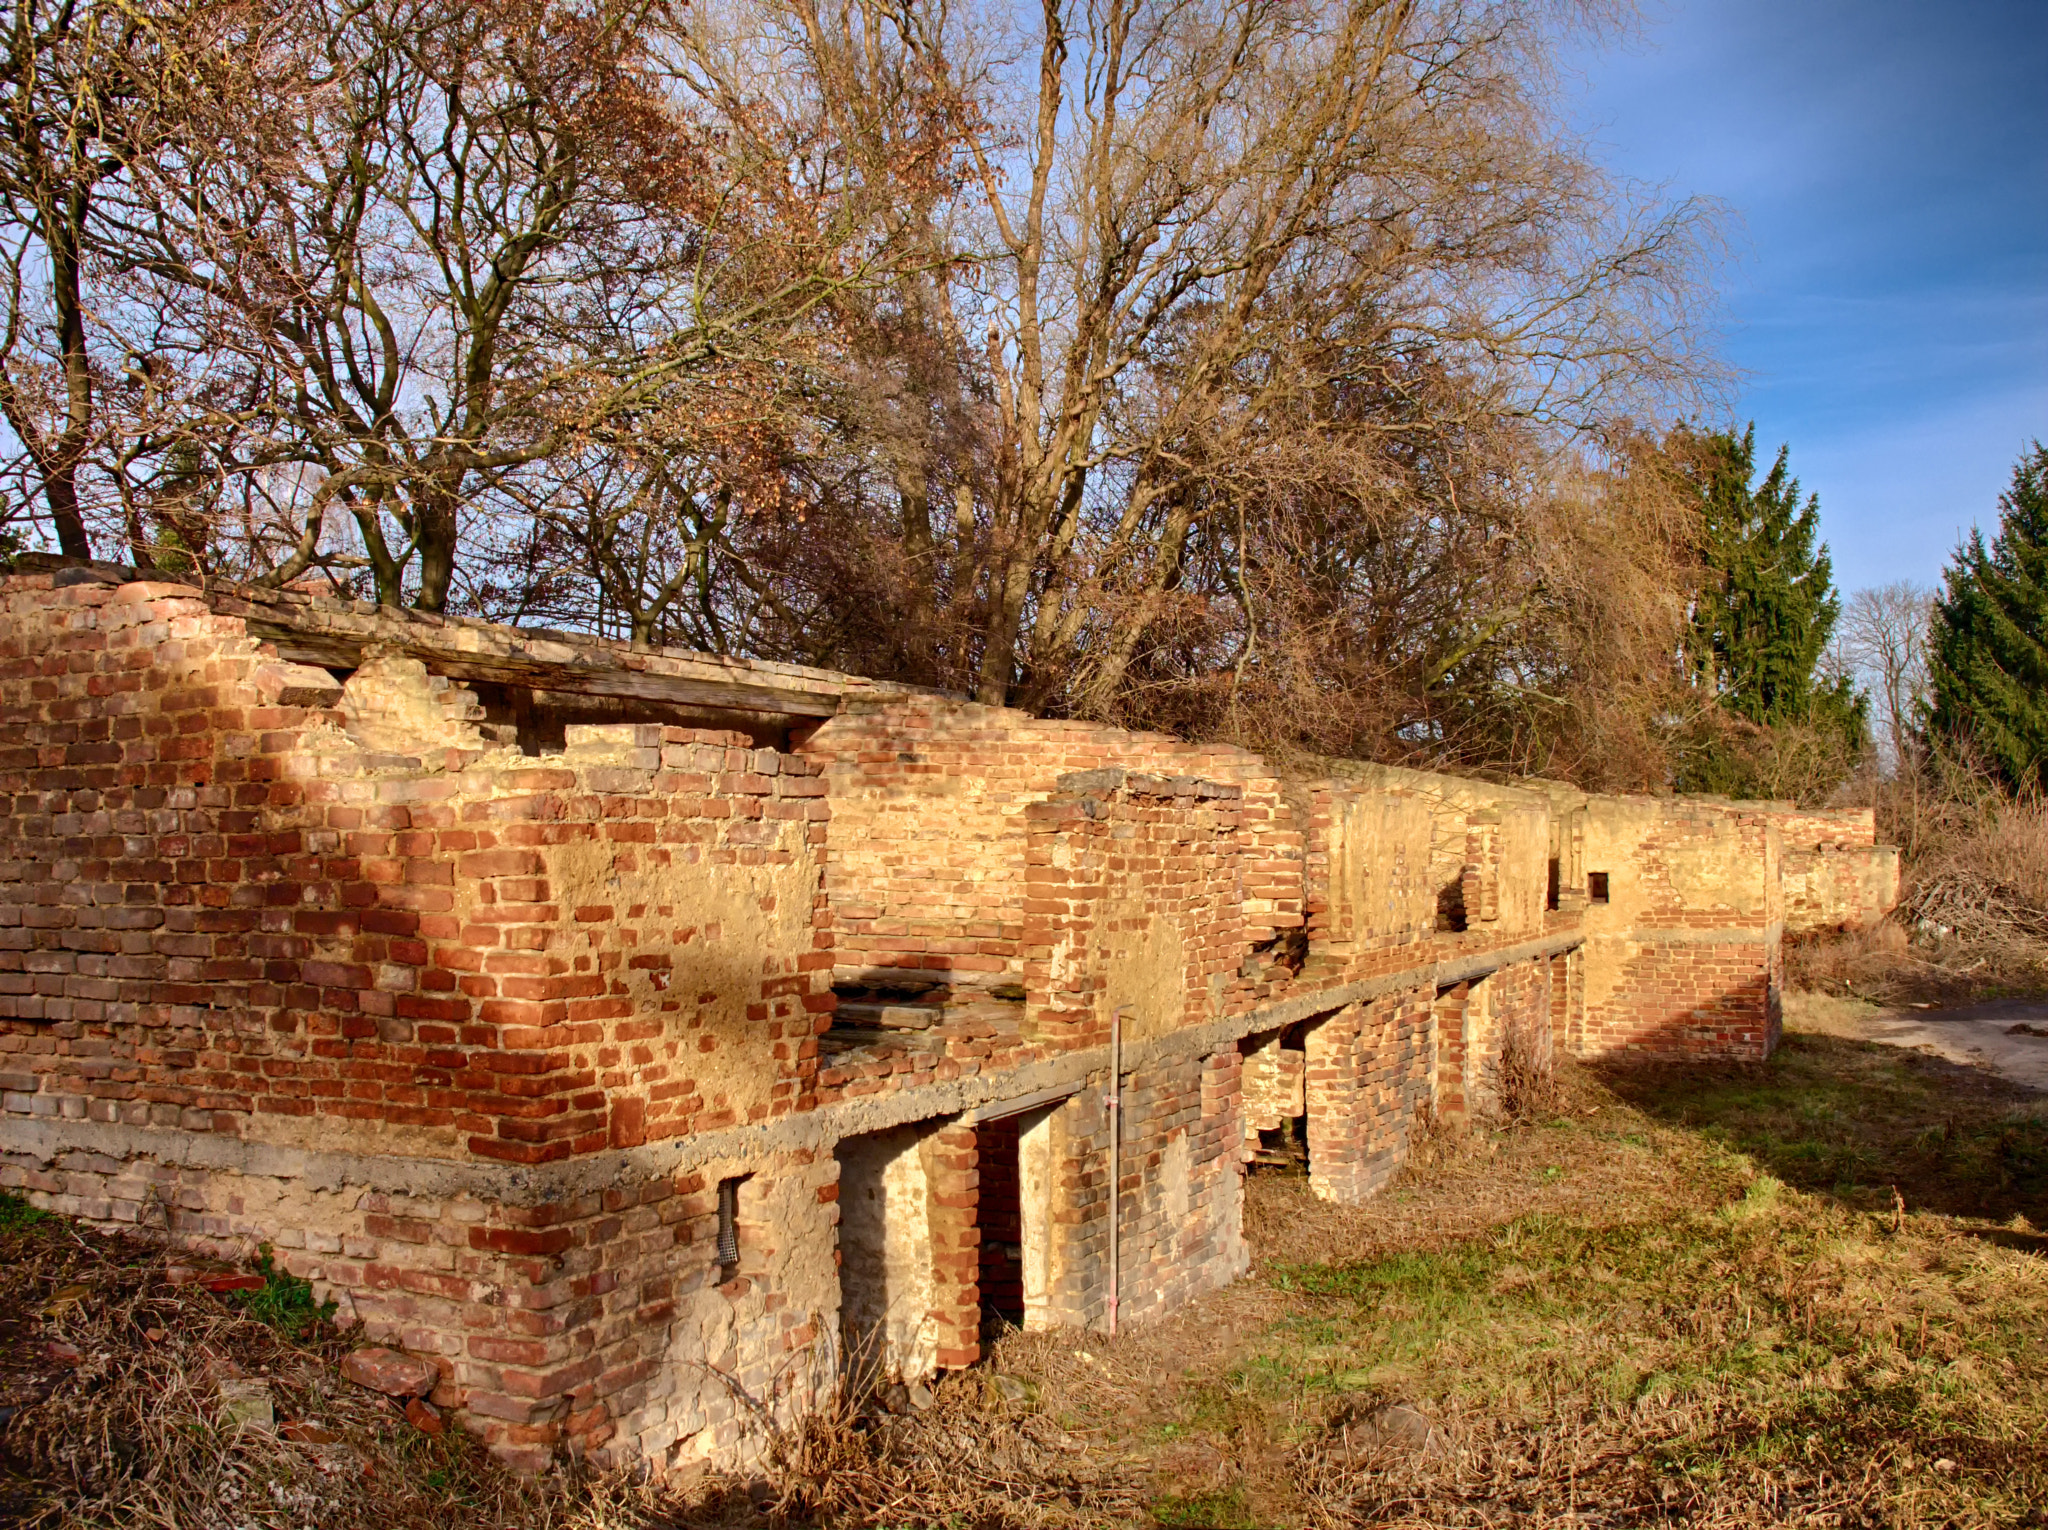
<point x="1811" y="1292"/>
<point x="1807" y="1292"/>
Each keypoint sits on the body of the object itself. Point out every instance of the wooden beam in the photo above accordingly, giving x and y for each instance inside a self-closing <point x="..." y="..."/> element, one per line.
<point x="335" y="635"/>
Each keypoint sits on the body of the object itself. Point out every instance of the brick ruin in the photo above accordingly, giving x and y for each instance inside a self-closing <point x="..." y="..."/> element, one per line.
<point x="650" y="1039"/>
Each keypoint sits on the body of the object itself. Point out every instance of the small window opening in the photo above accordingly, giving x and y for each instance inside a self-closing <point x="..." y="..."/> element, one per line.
<point x="1450" y="906"/>
<point x="729" y="1229"/>
<point x="1596" y="886"/>
<point x="1550" y="897"/>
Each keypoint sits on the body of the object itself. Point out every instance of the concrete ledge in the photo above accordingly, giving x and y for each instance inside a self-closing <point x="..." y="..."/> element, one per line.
<point x="45" y="1139"/>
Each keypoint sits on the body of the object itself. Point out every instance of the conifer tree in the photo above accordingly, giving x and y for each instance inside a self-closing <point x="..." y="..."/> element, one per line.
<point x="1990" y="637"/>
<point x="1766" y="605"/>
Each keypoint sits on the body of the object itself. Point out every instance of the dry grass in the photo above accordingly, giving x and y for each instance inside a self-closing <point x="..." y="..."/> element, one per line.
<point x="134" y="1431"/>
<point x="1620" y="1316"/>
<point x="1973" y="921"/>
<point x="1886" y="965"/>
<point x="1806" y="1292"/>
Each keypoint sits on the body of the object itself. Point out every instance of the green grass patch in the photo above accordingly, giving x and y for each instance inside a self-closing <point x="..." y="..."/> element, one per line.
<point x="284" y="1301"/>
<point x="1205" y="1511"/>
<point x="16" y="1212"/>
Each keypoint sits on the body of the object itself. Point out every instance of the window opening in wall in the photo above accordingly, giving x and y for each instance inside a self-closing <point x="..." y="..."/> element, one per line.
<point x="728" y="1253"/>
<point x="1550" y="897"/>
<point x="1450" y="906"/>
<point x="999" y="1217"/>
<point x="1596" y="886"/>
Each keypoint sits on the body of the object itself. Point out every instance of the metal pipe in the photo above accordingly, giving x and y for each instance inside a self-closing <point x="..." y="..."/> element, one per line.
<point x="1116" y="1159"/>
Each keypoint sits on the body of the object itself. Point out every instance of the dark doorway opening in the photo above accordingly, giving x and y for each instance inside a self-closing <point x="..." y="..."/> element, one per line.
<point x="1000" y="1219"/>
<point x="1275" y="1090"/>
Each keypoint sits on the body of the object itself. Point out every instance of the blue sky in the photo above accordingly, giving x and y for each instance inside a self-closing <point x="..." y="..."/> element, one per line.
<point x="1887" y="299"/>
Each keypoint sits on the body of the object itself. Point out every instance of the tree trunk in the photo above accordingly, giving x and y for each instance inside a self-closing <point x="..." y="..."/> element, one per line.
<point x="434" y="516"/>
<point x="62" y="229"/>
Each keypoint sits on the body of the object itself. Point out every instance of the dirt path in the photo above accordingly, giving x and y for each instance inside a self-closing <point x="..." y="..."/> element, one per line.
<point x="1987" y="1036"/>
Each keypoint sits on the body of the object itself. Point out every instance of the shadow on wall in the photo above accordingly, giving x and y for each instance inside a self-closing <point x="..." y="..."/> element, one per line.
<point x="1855" y="1120"/>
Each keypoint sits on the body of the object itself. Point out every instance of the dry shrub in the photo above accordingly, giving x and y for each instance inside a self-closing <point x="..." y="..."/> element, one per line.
<point x="1972" y="920"/>
<point x="135" y="1431"/>
<point x="969" y="1459"/>
<point x="1528" y="1082"/>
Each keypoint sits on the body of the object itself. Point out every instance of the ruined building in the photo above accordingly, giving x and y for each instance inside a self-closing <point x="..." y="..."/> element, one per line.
<point x="648" y="1038"/>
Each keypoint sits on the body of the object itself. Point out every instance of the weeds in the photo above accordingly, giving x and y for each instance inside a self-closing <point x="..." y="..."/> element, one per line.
<point x="16" y="1212"/>
<point x="1205" y="1511"/>
<point x="284" y="1301"/>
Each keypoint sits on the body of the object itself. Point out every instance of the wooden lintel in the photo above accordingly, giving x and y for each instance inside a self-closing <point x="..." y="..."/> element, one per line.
<point x="595" y="677"/>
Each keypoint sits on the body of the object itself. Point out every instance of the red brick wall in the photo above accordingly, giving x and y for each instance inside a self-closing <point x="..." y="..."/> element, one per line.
<point x="216" y="911"/>
<point x="222" y="913"/>
<point x="1684" y="958"/>
<point x="927" y="870"/>
<point x="1180" y="1195"/>
<point x="1125" y="872"/>
<point x="1369" y="1085"/>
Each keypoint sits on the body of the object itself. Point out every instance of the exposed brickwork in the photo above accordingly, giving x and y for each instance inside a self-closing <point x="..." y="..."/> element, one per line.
<point x="1131" y="905"/>
<point x="953" y="904"/>
<point x="1684" y="958"/>
<point x="474" y="1034"/>
<point x="1836" y="876"/>
<point x="230" y="911"/>
<point x="1181" y="1192"/>
<point x="1368" y="1088"/>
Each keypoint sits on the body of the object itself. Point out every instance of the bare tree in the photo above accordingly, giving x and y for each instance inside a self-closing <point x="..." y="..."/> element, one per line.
<point x="404" y="255"/>
<point x="1197" y="248"/>
<point x="71" y="77"/>
<point x="1884" y="639"/>
<point x="1229" y="366"/>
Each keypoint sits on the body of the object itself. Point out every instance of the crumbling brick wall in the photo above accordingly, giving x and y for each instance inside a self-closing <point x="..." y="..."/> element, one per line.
<point x="1131" y="906"/>
<point x="951" y="905"/>
<point x="1835" y="874"/>
<point x="1682" y="956"/>
<point x="475" y="1036"/>
<point x="226" y="915"/>
<point x="1369" y="1087"/>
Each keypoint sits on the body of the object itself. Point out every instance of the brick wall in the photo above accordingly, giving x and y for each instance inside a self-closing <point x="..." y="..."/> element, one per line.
<point x="595" y="1322"/>
<point x="1836" y="876"/>
<point x="1131" y="906"/>
<point x="1369" y="1085"/>
<point x="1683" y="959"/>
<point x="908" y="898"/>
<point x="1180" y="1198"/>
<point x="474" y="1035"/>
<point x="230" y="915"/>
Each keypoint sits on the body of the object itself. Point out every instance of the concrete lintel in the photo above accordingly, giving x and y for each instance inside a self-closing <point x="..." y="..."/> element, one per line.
<point x="1482" y="963"/>
<point x="1017" y="1105"/>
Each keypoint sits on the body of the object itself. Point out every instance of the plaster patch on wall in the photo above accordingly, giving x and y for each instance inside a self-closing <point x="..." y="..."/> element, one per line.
<point x="885" y="1271"/>
<point x="691" y="940"/>
<point x="1145" y="968"/>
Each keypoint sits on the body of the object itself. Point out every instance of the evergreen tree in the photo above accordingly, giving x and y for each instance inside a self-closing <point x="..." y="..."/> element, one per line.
<point x="1990" y="637"/>
<point x="1767" y="604"/>
<point x="1762" y="616"/>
